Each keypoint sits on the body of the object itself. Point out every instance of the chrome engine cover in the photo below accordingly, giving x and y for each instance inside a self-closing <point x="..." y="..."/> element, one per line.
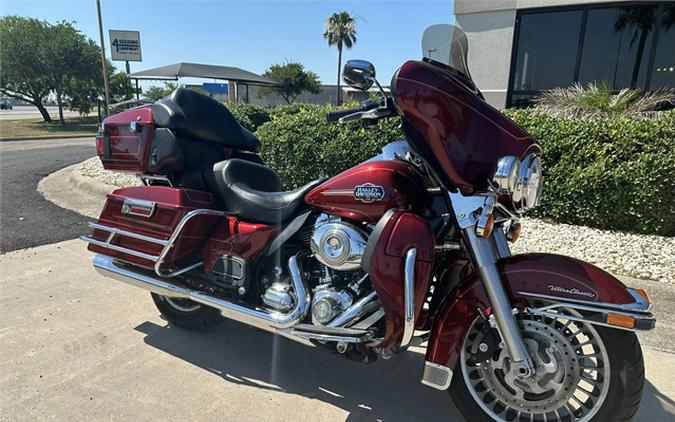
<point x="328" y="303"/>
<point x="279" y="297"/>
<point x="338" y="245"/>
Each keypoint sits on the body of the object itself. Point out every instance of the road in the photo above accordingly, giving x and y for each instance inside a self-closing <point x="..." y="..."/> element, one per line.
<point x="26" y="218"/>
<point x="30" y="112"/>
<point x="75" y="346"/>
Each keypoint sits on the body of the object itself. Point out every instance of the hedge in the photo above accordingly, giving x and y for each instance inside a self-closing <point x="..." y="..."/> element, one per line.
<point x="614" y="173"/>
<point x="300" y="145"/>
<point x="607" y="173"/>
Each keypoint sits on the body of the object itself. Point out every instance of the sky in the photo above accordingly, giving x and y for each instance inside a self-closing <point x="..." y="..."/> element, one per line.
<point x="254" y="34"/>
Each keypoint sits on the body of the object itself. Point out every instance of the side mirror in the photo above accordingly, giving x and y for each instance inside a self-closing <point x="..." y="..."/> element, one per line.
<point x="359" y="74"/>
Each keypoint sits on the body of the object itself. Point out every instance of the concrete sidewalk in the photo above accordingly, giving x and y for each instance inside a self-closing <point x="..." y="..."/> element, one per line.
<point x="76" y="346"/>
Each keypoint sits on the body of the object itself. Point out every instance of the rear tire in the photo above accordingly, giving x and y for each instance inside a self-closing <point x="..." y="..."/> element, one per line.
<point x="626" y="380"/>
<point x="185" y="313"/>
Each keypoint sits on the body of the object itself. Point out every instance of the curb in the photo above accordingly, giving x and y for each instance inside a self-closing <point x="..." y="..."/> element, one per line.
<point x="40" y="138"/>
<point x="71" y="190"/>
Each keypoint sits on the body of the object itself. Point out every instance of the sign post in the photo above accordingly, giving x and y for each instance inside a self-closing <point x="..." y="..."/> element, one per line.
<point x="126" y="46"/>
<point x="103" y="63"/>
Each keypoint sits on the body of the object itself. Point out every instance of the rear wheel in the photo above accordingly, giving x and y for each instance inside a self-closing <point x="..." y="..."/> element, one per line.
<point x="186" y="313"/>
<point x="583" y="373"/>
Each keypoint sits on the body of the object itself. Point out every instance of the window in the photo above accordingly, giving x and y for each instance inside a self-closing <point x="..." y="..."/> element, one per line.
<point x="616" y="46"/>
<point x="663" y="68"/>
<point x="622" y="46"/>
<point x="547" y="47"/>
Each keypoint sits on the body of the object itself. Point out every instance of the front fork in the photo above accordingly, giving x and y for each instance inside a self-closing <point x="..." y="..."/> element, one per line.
<point x="472" y="214"/>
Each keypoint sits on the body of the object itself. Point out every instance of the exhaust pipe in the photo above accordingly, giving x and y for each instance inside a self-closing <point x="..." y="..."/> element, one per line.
<point x="269" y="321"/>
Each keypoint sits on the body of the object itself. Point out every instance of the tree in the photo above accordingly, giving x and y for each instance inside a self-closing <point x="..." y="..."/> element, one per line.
<point x="24" y="61"/>
<point x="83" y="95"/>
<point x="292" y="80"/>
<point x="39" y="58"/>
<point x="74" y="60"/>
<point x="158" y="92"/>
<point x="340" y="31"/>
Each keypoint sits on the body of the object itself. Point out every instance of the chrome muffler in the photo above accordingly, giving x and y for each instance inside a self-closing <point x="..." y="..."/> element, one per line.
<point x="266" y="320"/>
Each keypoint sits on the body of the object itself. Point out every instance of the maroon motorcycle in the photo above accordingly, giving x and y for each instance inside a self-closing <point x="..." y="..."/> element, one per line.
<point x="411" y="245"/>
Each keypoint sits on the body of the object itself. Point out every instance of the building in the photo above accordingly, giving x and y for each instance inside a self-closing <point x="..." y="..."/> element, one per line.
<point x="518" y="48"/>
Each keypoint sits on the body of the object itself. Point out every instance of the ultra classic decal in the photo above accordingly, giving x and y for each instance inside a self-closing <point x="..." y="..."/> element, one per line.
<point x="368" y="192"/>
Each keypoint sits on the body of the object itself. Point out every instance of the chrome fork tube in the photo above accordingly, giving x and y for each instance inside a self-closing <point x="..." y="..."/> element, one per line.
<point x="485" y="258"/>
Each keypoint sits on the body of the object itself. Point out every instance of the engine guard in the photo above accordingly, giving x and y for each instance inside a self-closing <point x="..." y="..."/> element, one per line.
<point x="537" y="284"/>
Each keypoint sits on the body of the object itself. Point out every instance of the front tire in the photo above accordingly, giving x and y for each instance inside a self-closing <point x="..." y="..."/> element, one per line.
<point x="608" y="390"/>
<point x="185" y="313"/>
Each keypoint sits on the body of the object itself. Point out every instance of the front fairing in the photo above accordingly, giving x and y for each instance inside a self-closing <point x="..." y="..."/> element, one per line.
<point x="449" y="124"/>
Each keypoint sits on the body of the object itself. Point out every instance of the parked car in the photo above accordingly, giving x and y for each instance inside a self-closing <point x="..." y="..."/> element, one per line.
<point x="5" y="105"/>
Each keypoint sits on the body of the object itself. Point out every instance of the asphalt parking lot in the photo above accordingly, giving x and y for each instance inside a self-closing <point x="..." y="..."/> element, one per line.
<point x="26" y="218"/>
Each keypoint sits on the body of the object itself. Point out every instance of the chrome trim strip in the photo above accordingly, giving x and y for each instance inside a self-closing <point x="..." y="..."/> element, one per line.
<point x="640" y="305"/>
<point x="108" y="245"/>
<point x="266" y="320"/>
<point x="324" y="337"/>
<point x="433" y="372"/>
<point x="409" y="297"/>
<point x="130" y="203"/>
<point x="122" y="232"/>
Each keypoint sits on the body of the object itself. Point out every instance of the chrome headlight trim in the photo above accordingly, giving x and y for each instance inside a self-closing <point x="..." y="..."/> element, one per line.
<point x="506" y="175"/>
<point x="529" y="186"/>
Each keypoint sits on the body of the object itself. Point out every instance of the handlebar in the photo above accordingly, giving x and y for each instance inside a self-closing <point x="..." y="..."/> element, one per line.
<point x="368" y="110"/>
<point x="335" y="115"/>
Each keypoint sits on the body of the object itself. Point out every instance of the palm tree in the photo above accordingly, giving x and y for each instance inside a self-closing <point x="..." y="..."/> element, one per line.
<point x="340" y="31"/>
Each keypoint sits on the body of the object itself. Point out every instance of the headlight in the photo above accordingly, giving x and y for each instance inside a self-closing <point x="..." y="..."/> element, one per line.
<point x="506" y="175"/>
<point x="529" y="185"/>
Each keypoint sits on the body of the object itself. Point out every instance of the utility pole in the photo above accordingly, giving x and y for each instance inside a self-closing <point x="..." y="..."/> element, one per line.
<point x="128" y="82"/>
<point x="103" y="62"/>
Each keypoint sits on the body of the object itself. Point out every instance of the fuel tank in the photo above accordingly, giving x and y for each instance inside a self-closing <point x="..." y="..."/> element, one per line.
<point x="367" y="191"/>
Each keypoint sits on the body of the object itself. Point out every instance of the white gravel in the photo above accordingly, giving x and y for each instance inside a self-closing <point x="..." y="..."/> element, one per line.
<point x="633" y="255"/>
<point x="93" y="168"/>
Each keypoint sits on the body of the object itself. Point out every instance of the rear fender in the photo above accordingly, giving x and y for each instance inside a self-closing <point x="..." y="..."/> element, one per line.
<point x="545" y="278"/>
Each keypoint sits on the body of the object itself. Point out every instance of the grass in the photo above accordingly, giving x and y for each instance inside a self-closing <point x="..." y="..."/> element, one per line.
<point x="36" y="127"/>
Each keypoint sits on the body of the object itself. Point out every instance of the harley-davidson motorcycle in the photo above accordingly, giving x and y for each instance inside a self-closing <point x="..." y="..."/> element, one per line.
<point x="409" y="247"/>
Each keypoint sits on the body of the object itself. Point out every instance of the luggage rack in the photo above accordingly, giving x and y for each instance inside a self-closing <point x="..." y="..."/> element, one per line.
<point x="167" y="244"/>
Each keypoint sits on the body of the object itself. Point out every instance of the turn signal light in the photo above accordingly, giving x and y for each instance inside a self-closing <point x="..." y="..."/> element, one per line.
<point x="644" y="295"/>
<point x="100" y="148"/>
<point x="513" y="233"/>
<point x="621" y="320"/>
<point x="485" y="226"/>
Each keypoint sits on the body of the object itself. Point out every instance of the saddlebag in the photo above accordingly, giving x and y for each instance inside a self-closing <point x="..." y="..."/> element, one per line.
<point x="142" y="225"/>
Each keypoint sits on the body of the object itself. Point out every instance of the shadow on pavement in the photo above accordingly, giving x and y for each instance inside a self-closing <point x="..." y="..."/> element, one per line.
<point x="383" y="391"/>
<point x="386" y="390"/>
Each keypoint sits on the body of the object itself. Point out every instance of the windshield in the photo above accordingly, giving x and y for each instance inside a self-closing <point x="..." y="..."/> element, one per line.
<point x="446" y="44"/>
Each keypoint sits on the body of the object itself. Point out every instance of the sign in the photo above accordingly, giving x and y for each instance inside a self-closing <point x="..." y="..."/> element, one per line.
<point x="125" y="45"/>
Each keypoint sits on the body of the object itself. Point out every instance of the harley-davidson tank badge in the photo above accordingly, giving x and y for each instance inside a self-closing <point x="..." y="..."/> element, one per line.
<point x="369" y="192"/>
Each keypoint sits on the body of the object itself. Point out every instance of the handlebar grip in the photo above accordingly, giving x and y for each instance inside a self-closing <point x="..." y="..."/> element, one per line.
<point x="335" y="115"/>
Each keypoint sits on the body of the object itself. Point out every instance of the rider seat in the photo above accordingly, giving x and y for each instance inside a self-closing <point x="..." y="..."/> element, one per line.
<point x="254" y="192"/>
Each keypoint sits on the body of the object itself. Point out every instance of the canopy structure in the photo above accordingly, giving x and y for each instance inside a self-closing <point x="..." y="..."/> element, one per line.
<point x="198" y="70"/>
<point x="234" y="75"/>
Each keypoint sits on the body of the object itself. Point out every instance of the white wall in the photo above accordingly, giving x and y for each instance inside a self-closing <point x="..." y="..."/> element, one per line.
<point x="490" y="36"/>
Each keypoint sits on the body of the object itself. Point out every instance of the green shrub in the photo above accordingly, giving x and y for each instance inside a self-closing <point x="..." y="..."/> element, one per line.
<point x="301" y="145"/>
<point x="608" y="173"/>
<point x="250" y="116"/>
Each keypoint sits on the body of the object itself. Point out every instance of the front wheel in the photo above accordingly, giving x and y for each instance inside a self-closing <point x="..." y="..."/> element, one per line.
<point x="583" y="373"/>
<point x="185" y="313"/>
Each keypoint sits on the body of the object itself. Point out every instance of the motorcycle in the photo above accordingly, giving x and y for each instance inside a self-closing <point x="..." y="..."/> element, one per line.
<point x="410" y="246"/>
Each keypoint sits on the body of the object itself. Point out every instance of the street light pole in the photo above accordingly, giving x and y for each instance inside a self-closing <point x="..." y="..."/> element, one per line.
<point x="103" y="62"/>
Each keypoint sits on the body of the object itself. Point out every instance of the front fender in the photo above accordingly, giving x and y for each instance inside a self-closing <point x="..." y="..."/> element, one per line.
<point x="549" y="277"/>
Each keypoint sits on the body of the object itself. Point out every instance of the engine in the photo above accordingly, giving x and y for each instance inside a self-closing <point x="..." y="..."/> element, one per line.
<point x="338" y="245"/>
<point x="336" y="276"/>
